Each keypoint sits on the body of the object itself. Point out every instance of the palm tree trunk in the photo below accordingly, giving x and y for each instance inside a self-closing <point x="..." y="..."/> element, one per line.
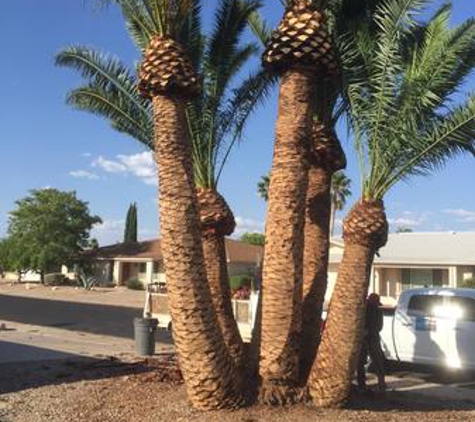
<point x="365" y="231"/>
<point x="211" y="379"/>
<point x="332" y="220"/>
<point x="282" y="272"/>
<point x="214" y="248"/>
<point x="316" y="251"/>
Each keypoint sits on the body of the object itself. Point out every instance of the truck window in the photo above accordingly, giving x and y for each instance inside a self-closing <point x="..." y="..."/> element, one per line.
<point x="423" y="305"/>
<point x="465" y="307"/>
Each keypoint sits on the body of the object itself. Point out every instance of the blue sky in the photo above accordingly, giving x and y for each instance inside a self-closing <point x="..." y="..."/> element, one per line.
<point x="44" y="143"/>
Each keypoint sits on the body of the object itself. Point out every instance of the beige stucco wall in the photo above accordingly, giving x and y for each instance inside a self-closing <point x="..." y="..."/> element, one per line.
<point x="332" y="275"/>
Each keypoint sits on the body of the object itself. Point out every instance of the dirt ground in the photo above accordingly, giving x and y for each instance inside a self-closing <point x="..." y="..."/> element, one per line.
<point x="111" y="390"/>
<point x="72" y="386"/>
<point x="117" y="296"/>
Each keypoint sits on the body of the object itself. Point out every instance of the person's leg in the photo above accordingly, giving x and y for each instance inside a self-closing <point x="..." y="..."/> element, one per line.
<point x="361" y="372"/>
<point x="377" y="360"/>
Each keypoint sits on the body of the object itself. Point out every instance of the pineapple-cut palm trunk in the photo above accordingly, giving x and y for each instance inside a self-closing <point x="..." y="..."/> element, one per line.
<point x="211" y="379"/>
<point x="214" y="248"/>
<point x="282" y="272"/>
<point x="365" y="231"/>
<point x="315" y="264"/>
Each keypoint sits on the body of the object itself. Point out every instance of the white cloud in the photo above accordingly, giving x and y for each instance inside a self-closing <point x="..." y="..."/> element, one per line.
<point x="141" y="165"/>
<point x="404" y="222"/>
<point x="244" y="225"/>
<point x="109" y="166"/>
<point x="86" y="154"/>
<point x="464" y="216"/>
<point x="110" y="231"/>
<point x="84" y="174"/>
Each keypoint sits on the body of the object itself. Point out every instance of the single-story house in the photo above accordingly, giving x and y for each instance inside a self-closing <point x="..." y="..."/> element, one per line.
<point x="143" y="261"/>
<point x="411" y="260"/>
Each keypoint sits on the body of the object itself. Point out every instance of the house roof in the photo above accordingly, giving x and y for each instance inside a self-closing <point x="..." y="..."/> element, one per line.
<point x="236" y="251"/>
<point x="431" y="248"/>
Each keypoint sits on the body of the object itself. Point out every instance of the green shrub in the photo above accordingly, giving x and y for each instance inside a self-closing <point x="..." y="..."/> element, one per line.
<point x="239" y="281"/>
<point x="86" y="281"/>
<point x="54" y="279"/>
<point x="135" y="284"/>
<point x="469" y="284"/>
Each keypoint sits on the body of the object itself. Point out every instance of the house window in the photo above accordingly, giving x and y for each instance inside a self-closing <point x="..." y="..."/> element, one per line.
<point x="413" y="278"/>
<point x="143" y="268"/>
<point x="156" y="267"/>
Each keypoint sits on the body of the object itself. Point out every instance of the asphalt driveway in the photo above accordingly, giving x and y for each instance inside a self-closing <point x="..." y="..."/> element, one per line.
<point x="44" y="324"/>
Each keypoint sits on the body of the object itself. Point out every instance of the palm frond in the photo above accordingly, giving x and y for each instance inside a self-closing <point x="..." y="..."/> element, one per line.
<point x="122" y="115"/>
<point x="444" y="139"/>
<point x="102" y="70"/>
<point x="399" y="94"/>
<point x="260" y="28"/>
<point x="110" y="92"/>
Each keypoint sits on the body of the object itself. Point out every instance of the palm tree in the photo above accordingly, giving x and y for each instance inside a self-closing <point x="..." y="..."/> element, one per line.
<point x="181" y="109"/>
<point x="168" y="78"/>
<point x="216" y="120"/>
<point x="301" y="54"/>
<point x="326" y="158"/>
<point x="263" y="187"/>
<point x="404" y="125"/>
<point x="340" y="191"/>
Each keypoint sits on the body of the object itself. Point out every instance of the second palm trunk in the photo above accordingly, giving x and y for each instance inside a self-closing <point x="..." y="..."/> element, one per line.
<point x="326" y="157"/>
<point x="365" y="231"/>
<point x="282" y="272"/>
<point x="217" y="221"/>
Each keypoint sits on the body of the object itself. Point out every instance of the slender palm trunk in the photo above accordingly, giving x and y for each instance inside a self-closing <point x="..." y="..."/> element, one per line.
<point x="332" y="219"/>
<point x="211" y="379"/>
<point x="282" y="272"/>
<point x="214" y="248"/>
<point x="316" y="251"/>
<point x="365" y="231"/>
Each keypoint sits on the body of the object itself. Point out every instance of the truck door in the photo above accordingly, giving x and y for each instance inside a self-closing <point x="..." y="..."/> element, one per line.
<point x="419" y="335"/>
<point x="461" y="334"/>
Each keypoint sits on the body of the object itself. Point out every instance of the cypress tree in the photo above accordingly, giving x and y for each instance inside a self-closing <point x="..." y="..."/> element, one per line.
<point x="130" y="233"/>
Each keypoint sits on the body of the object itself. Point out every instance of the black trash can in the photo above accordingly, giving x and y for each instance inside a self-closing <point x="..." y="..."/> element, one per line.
<point x="144" y="329"/>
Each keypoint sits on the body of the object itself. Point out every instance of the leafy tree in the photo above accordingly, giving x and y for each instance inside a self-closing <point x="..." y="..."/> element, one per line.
<point x="48" y="228"/>
<point x="5" y="257"/>
<point x="130" y="233"/>
<point x="94" y="244"/>
<point x="254" y="239"/>
<point x="399" y="83"/>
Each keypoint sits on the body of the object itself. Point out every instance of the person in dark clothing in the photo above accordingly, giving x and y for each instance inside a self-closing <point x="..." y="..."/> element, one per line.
<point x="371" y="345"/>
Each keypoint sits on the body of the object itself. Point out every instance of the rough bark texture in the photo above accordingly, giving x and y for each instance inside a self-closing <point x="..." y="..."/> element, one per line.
<point x="217" y="272"/>
<point x="217" y="221"/>
<point x="211" y="379"/>
<point x="364" y="231"/>
<point x="317" y="242"/>
<point x="282" y="271"/>
<point x="327" y="157"/>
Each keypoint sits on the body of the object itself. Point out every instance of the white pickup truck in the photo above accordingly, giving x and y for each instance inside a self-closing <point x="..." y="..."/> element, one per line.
<point x="432" y="326"/>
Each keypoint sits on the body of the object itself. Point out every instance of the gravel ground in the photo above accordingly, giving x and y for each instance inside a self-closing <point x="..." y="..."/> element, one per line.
<point x="110" y="390"/>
